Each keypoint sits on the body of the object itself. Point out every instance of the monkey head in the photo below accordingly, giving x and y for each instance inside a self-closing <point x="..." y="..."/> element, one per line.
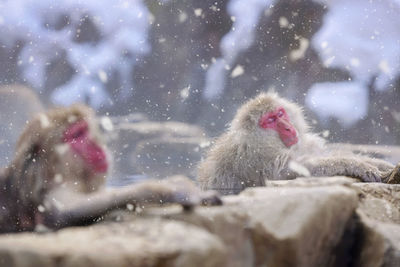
<point x="62" y="147"/>
<point x="78" y="137"/>
<point x="268" y="114"/>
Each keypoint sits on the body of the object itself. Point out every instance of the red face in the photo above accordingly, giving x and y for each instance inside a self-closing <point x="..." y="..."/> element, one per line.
<point x="278" y="120"/>
<point x="77" y="136"/>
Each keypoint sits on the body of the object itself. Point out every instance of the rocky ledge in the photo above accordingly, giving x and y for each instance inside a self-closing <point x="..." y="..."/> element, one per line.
<point x="303" y="222"/>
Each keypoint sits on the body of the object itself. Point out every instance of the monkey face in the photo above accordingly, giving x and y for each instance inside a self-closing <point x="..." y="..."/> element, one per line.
<point x="84" y="160"/>
<point x="278" y="120"/>
<point x="77" y="136"/>
<point x="64" y="145"/>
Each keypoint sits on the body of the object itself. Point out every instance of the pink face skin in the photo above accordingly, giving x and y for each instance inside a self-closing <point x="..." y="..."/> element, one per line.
<point x="279" y="121"/>
<point x="77" y="136"/>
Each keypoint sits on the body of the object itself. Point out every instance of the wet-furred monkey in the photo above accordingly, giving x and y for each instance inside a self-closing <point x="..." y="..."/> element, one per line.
<point x="57" y="176"/>
<point x="270" y="139"/>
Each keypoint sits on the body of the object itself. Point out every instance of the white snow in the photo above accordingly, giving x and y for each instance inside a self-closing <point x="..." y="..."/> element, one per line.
<point x="44" y="121"/>
<point x="122" y="25"/>
<point x="362" y="37"/>
<point x="106" y="123"/>
<point x="299" y="168"/>
<point x="246" y="16"/>
<point x="346" y="101"/>
<point x="237" y="71"/>
<point x="299" y="53"/>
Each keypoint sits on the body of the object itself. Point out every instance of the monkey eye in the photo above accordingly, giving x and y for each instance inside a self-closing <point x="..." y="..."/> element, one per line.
<point x="271" y="119"/>
<point x="79" y="133"/>
<point x="280" y="113"/>
<point x="76" y="130"/>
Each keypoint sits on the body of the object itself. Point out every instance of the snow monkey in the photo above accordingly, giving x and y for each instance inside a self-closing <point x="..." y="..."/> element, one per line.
<point x="56" y="178"/>
<point x="270" y="139"/>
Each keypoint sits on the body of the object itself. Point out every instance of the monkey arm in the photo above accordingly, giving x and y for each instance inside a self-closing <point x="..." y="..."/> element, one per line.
<point x="347" y="166"/>
<point x="393" y="177"/>
<point x="86" y="209"/>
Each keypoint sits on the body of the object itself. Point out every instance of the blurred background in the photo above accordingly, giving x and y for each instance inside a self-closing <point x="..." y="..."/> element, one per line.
<point x="192" y="63"/>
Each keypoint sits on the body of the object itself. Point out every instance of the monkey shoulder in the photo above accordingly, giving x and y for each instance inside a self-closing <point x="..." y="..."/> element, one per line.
<point x="223" y="163"/>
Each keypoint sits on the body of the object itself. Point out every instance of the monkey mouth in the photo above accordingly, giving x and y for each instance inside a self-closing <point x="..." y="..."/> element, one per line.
<point x="98" y="161"/>
<point x="100" y="166"/>
<point x="290" y="141"/>
<point x="96" y="157"/>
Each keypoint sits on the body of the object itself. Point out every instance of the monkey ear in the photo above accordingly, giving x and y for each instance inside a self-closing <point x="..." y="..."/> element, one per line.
<point x="248" y="121"/>
<point x="243" y="122"/>
<point x="28" y="146"/>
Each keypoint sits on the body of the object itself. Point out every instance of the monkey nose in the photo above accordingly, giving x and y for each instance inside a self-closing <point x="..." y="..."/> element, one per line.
<point x="285" y="126"/>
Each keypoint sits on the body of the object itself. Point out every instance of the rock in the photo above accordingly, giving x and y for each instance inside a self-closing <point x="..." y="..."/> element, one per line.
<point x="130" y="118"/>
<point x="388" y="153"/>
<point x="154" y="147"/>
<point x="227" y="222"/>
<point x="135" y="132"/>
<point x="378" y="228"/>
<point x="168" y="156"/>
<point x="379" y="202"/>
<point x="331" y="221"/>
<point x="312" y="182"/>
<point x="143" y="242"/>
<point x="302" y="226"/>
<point x="379" y="232"/>
<point x="289" y="226"/>
<point x="380" y="244"/>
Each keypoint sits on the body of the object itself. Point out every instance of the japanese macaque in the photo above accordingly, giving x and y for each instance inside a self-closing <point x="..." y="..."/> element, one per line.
<point x="270" y="139"/>
<point x="58" y="172"/>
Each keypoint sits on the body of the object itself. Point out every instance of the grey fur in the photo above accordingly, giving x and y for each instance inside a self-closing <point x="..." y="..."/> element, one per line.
<point x="246" y="155"/>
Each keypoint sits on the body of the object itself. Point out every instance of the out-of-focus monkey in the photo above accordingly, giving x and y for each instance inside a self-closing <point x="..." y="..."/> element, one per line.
<point x="270" y="139"/>
<point x="60" y="166"/>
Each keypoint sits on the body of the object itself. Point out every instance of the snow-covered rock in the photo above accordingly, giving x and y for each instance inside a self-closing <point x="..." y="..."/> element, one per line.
<point x="95" y="39"/>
